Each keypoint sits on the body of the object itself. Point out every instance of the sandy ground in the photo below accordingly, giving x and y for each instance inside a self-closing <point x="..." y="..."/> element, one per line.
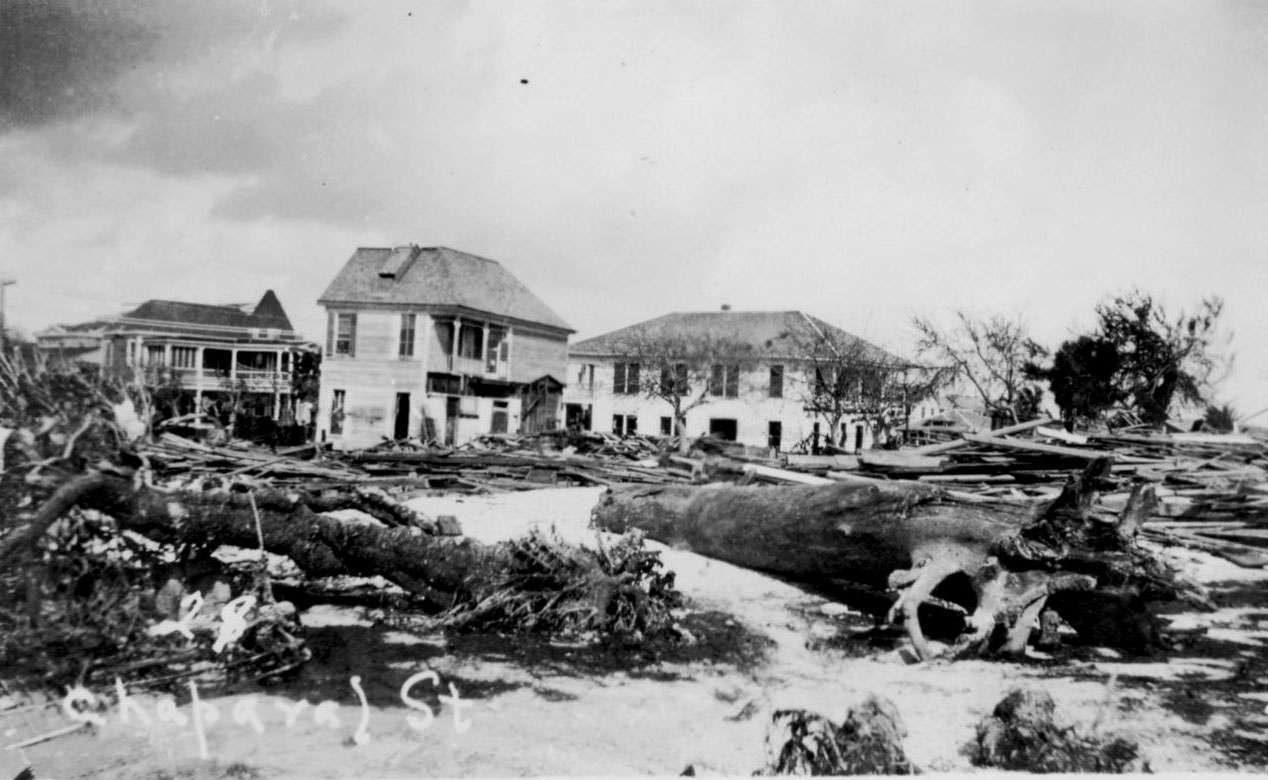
<point x="529" y="708"/>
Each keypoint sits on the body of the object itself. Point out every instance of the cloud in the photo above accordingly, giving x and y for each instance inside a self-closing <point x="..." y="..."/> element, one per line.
<point x="62" y="59"/>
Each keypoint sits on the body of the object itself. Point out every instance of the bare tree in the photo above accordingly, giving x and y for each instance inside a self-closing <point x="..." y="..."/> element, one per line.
<point x="991" y="355"/>
<point x="848" y="377"/>
<point x="685" y="371"/>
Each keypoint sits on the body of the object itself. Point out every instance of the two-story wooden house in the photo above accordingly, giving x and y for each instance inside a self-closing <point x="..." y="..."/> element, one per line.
<point x="204" y="357"/>
<point x="438" y="344"/>
<point x="769" y="394"/>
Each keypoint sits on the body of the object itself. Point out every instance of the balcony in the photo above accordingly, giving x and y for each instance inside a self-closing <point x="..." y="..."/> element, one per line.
<point x="475" y="367"/>
<point x="255" y="380"/>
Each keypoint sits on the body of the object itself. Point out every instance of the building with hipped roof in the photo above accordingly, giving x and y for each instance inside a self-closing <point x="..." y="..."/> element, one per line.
<point x="204" y="357"/>
<point x="438" y="344"/>
<point x="767" y="402"/>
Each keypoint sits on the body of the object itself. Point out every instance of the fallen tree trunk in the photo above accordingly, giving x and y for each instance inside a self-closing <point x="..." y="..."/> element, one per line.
<point x="434" y="567"/>
<point x="996" y="561"/>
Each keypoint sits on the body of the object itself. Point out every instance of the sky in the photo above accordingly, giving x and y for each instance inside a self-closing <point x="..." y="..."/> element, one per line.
<point x="862" y="161"/>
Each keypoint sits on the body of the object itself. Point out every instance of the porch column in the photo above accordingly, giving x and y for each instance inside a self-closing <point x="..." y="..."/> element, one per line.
<point x="198" y="370"/>
<point x="233" y="364"/>
<point x="484" y="351"/>
<point x="453" y="348"/>
<point x="167" y="355"/>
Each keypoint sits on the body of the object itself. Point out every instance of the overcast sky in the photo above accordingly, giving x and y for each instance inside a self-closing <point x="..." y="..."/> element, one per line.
<point x="862" y="161"/>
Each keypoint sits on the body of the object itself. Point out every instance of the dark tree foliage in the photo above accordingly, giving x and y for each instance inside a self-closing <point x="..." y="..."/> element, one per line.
<point x="1222" y="419"/>
<point x="1163" y="358"/>
<point x="1082" y="378"/>
<point x="1139" y="356"/>
<point x="306" y="375"/>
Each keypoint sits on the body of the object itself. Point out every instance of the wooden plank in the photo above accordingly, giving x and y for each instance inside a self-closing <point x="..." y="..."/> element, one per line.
<point x="934" y="449"/>
<point x="1034" y="446"/>
<point x="822" y="461"/>
<point x="784" y="475"/>
<point x="1060" y="434"/>
<point x="901" y="460"/>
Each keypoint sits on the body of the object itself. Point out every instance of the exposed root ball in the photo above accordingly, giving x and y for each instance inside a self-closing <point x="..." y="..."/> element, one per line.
<point x="1021" y="735"/>
<point x="868" y="742"/>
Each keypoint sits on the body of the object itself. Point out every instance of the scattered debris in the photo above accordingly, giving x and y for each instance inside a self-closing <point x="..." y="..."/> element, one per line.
<point x="868" y="742"/>
<point x="1022" y="735"/>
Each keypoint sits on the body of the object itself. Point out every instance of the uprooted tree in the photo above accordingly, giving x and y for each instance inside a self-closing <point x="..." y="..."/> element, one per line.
<point x="84" y="530"/>
<point x="990" y="565"/>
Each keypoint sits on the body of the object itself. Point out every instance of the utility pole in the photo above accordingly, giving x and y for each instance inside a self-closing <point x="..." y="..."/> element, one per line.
<point x="4" y="335"/>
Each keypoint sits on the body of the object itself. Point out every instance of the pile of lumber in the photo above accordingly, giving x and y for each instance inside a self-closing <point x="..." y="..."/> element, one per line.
<point x="1212" y="488"/>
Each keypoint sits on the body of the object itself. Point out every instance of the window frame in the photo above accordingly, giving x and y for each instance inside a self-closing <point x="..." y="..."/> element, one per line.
<point x="344" y="343"/>
<point x="775" y="388"/>
<point x="407" y="338"/>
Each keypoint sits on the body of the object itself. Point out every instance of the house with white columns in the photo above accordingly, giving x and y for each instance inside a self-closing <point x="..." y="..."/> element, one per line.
<point x="203" y="356"/>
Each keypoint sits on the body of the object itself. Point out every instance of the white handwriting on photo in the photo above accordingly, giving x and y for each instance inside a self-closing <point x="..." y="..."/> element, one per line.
<point x="82" y="705"/>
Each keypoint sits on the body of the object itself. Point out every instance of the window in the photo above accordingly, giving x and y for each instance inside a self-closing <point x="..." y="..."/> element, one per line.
<point x="625" y="381"/>
<point x="337" y="400"/>
<point x="497" y="349"/>
<point x="184" y="357"/>
<point x="585" y="376"/>
<point x="776" y="381"/>
<point x="823" y="380"/>
<point x="666" y="426"/>
<point x="625" y="424"/>
<point x="723" y="428"/>
<point x="344" y="336"/>
<point x="725" y="381"/>
<point x="471" y="342"/>
<point x="774" y="434"/>
<point x="153" y="355"/>
<point x="446" y="384"/>
<point x="407" y="335"/>
<point x="674" y="381"/>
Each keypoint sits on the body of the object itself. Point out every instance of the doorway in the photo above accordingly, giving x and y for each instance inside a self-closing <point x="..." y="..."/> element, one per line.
<point x="451" y="419"/>
<point x="400" y="430"/>
<point x="723" y="428"/>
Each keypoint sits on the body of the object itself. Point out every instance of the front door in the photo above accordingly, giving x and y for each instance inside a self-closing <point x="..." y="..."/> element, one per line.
<point x="401" y="429"/>
<point x="451" y="419"/>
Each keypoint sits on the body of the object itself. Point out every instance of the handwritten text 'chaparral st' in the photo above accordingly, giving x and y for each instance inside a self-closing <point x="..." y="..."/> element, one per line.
<point x="81" y="704"/>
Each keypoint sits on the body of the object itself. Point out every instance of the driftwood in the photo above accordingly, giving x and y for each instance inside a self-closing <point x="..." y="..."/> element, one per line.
<point x="998" y="562"/>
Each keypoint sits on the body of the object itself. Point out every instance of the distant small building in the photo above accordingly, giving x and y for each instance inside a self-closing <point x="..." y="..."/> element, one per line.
<point x="82" y="342"/>
<point x="198" y="357"/>
<point x="766" y="403"/>
<point x="437" y="344"/>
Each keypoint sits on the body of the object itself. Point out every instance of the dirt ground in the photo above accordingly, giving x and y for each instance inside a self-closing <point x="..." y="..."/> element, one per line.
<point x="528" y="707"/>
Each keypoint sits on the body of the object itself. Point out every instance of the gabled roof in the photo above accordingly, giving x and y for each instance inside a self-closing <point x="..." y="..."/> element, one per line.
<point x="436" y="276"/>
<point x="771" y="334"/>
<point x="268" y="313"/>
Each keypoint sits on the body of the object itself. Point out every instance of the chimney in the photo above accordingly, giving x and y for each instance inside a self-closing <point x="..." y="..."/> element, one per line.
<point x="726" y="307"/>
